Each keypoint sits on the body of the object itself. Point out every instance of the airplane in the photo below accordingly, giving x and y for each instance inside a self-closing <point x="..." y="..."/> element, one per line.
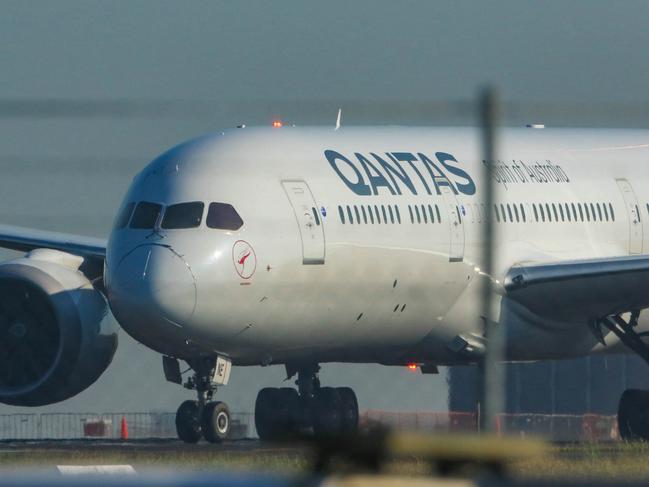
<point x="301" y="246"/>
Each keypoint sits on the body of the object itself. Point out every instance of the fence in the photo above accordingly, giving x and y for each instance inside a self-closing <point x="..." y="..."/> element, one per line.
<point x="553" y="427"/>
<point x="70" y="426"/>
<point x="152" y="425"/>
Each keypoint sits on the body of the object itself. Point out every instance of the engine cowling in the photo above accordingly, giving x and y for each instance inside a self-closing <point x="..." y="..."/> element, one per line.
<point x="56" y="333"/>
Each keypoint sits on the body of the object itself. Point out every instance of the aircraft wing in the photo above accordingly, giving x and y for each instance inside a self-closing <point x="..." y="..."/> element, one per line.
<point x="574" y="290"/>
<point x="26" y="239"/>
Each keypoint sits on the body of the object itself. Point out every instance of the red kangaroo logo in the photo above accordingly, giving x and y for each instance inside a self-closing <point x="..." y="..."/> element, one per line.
<point x="242" y="260"/>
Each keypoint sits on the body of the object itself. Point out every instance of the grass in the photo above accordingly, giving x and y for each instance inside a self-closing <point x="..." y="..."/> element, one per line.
<point x="620" y="461"/>
<point x="616" y="461"/>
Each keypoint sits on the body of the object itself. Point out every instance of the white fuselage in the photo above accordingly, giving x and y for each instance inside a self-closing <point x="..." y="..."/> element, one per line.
<point x="295" y="282"/>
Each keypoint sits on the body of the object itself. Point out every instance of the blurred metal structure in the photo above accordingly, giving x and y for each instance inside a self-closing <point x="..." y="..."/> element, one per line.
<point x="491" y="384"/>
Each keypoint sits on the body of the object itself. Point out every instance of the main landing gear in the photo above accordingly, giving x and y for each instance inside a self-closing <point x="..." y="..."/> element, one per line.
<point x="280" y="412"/>
<point x="201" y="418"/>
<point x="633" y="409"/>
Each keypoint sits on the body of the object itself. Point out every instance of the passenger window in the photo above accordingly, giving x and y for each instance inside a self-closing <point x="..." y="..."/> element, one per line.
<point x="536" y="214"/>
<point x="349" y="214"/>
<point x="523" y="213"/>
<point x="567" y="211"/>
<point x="125" y="215"/>
<point x="385" y="215"/>
<point x="502" y="212"/>
<point x="364" y="215"/>
<point x="561" y="212"/>
<point x="423" y="213"/>
<point x="547" y="209"/>
<point x="146" y="215"/>
<point x="371" y="215"/>
<point x="542" y="213"/>
<point x="610" y="208"/>
<point x="586" y="211"/>
<point x="581" y="213"/>
<point x="358" y="214"/>
<point x="183" y="215"/>
<point x="341" y="213"/>
<point x="377" y="214"/>
<point x="223" y="216"/>
<point x="431" y="214"/>
<point x="599" y="212"/>
<point x="417" y="213"/>
<point x="554" y="210"/>
<point x="439" y="215"/>
<point x="315" y="215"/>
<point x="497" y="214"/>
<point x="606" y="211"/>
<point x="574" y="211"/>
<point x="509" y="212"/>
<point x="412" y="219"/>
<point x="396" y="208"/>
<point x="391" y="214"/>
<point x="592" y="212"/>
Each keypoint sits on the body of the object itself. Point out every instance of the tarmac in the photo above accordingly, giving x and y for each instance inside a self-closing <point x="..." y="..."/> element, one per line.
<point x="148" y="445"/>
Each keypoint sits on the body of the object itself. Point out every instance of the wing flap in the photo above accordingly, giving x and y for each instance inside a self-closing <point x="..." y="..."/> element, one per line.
<point x="26" y="239"/>
<point x="581" y="289"/>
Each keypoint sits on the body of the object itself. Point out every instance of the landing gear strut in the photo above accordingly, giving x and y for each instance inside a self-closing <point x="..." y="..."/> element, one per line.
<point x="203" y="417"/>
<point x="310" y="407"/>
<point x="633" y="409"/>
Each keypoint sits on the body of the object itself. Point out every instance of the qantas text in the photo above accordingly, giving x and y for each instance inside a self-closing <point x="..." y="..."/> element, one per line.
<point x="397" y="172"/>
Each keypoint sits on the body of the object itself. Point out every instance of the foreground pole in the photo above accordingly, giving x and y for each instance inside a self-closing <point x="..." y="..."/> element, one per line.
<point x="492" y="376"/>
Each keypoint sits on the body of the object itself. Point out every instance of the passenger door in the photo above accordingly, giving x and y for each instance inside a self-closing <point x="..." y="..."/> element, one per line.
<point x="308" y="221"/>
<point x="633" y="213"/>
<point x="456" y="250"/>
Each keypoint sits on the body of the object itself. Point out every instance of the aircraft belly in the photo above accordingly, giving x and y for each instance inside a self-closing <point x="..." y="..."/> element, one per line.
<point x="365" y="297"/>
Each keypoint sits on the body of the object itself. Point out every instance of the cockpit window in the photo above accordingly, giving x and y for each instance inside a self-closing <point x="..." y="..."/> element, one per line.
<point x="223" y="216"/>
<point x="146" y="215"/>
<point x="124" y="216"/>
<point x="183" y="215"/>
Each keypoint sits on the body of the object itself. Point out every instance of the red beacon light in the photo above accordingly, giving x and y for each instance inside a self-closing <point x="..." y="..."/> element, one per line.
<point x="277" y="124"/>
<point x="412" y="367"/>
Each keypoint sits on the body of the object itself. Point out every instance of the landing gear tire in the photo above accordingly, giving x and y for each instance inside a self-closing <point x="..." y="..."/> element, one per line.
<point x="327" y="412"/>
<point x="266" y="414"/>
<point x="188" y="425"/>
<point x="633" y="415"/>
<point x="276" y="412"/>
<point x="348" y="410"/>
<point x="215" y="422"/>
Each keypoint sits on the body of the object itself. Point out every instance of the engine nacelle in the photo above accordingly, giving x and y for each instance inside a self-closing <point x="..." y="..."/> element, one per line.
<point x="56" y="334"/>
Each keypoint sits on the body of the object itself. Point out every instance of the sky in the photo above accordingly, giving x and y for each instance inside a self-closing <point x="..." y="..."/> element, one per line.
<point x="240" y="62"/>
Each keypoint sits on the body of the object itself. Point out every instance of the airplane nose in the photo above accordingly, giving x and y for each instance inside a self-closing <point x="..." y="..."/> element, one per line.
<point x="153" y="281"/>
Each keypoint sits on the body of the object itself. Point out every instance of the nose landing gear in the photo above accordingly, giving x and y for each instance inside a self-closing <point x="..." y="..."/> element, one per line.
<point x="203" y="417"/>
<point x="322" y="410"/>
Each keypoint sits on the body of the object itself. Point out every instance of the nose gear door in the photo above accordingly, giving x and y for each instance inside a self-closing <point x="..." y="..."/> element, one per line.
<point x="308" y="221"/>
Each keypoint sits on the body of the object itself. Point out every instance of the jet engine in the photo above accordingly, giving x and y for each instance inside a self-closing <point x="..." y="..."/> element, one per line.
<point x="56" y="334"/>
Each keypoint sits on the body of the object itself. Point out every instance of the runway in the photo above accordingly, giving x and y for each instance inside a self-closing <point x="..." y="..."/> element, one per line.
<point x="150" y="445"/>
